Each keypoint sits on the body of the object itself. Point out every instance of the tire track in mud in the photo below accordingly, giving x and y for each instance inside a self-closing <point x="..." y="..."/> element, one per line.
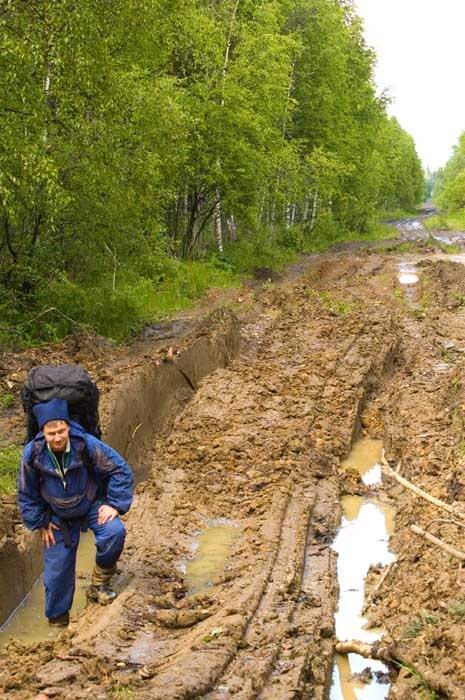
<point x="260" y="444"/>
<point x="257" y="662"/>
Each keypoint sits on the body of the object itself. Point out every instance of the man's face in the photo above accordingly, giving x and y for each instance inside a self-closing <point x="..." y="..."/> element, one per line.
<point x="56" y="433"/>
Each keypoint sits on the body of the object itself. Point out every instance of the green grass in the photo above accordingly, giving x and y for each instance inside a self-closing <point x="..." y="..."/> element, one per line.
<point x="7" y="400"/>
<point x="456" y="608"/>
<point x="427" y="693"/>
<point x="340" y="307"/>
<point x="395" y="214"/>
<point x="418" y="623"/>
<point x="9" y="460"/>
<point x="451" y="221"/>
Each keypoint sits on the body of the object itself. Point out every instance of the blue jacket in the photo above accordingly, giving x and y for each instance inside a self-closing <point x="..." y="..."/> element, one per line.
<point x="41" y="489"/>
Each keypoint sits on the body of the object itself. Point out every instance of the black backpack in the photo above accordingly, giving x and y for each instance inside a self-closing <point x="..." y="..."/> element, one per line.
<point x="69" y="382"/>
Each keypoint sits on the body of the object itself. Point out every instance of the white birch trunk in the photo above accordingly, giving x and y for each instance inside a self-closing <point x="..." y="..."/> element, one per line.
<point x="306" y="209"/>
<point x="293" y="212"/>
<point x="217" y="214"/>
<point x="314" y="211"/>
<point x="217" y="224"/>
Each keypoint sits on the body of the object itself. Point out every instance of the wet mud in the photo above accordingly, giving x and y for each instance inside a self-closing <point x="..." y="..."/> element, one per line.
<point x="258" y="447"/>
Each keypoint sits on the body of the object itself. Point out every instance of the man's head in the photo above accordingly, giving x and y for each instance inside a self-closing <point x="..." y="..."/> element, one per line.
<point x="56" y="432"/>
<point x="53" y="419"/>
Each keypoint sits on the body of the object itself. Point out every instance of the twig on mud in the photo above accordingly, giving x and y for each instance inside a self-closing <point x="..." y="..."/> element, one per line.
<point x="448" y="521"/>
<point x="419" y="492"/>
<point x="439" y="543"/>
<point x="383" y="578"/>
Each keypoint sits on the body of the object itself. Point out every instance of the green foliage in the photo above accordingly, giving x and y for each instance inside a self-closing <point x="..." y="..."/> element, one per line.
<point x="139" y="135"/>
<point x="7" y="400"/>
<point x="9" y="460"/>
<point x="418" y="623"/>
<point x="456" y="608"/>
<point x="339" y="307"/>
<point x="450" y="221"/>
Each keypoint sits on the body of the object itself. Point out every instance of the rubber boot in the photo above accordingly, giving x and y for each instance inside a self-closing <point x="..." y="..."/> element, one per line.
<point x="100" y="590"/>
<point x="60" y="621"/>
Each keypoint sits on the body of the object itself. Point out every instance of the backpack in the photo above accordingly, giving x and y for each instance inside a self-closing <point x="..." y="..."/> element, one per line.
<point x="69" y="382"/>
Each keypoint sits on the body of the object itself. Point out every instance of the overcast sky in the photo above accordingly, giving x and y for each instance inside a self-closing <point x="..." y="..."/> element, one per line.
<point x="420" y="46"/>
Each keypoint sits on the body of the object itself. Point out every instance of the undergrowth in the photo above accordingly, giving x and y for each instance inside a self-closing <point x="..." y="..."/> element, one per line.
<point x="450" y="221"/>
<point x="118" y="306"/>
<point x="9" y="460"/>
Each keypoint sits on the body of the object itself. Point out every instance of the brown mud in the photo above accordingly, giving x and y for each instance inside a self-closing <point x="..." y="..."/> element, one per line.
<point x="337" y="351"/>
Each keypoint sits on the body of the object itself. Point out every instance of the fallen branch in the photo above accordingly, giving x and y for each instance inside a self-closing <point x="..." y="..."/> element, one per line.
<point x="389" y="654"/>
<point x="383" y="578"/>
<point x="419" y="492"/>
<point x="439" y="543"/>
<point x="448" y="521"/>
<point x="377" y="650"/>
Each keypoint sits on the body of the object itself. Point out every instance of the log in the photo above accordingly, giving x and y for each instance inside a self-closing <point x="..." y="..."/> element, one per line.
<point x="377" y="650"/>
<point x="457" y="553"/>
<point x="419" y="492"/>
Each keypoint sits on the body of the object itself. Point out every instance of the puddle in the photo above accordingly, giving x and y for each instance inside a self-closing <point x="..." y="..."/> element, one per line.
<point x="408" y="273"/>
<point x="413" y="225"/>
<point x="213" y="548"/>
<point x="362" y="541"/>
<point x="28" y="623"/>
<point x="365" y="457"/>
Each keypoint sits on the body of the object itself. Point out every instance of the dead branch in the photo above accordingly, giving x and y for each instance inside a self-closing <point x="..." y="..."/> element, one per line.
<point x="448" y="521"/>
<point x="378" y="651"/>
<point x="389" y="654"/>
<point x="439" y="543"/>
<point x="419" y="492"/>
<point x="383" y="578"/>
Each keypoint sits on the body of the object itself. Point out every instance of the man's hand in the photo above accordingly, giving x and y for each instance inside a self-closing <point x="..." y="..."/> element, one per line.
<point x="47" y="536"/>
<point x="106" y="514"/>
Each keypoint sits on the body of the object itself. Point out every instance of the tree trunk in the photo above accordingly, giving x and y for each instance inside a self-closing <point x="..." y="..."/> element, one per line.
<point x="217" y="216"/>
<point x="218" y="224"/>
<point x="314" y="211"/>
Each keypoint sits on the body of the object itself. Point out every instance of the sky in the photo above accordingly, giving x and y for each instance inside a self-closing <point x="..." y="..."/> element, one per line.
<point x="421" y="60"/>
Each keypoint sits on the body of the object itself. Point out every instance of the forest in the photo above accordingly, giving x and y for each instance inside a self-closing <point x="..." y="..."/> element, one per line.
<point x="153" y="148"/>
<point x="449" y="182"/>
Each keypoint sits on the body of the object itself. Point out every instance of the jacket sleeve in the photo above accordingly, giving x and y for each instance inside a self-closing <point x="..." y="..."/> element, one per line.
<point x="114" y="471"/>
<point x="31" y="504"/>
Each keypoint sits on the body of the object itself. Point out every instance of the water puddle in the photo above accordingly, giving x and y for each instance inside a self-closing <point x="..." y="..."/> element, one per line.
<point x="408" y="273"/>
<point x="28" y="623"/>
<point x="362" y="541"/>
<point x="413" y="225"/>
<point x="365" y="457"/>
<point x="213" y="548"/>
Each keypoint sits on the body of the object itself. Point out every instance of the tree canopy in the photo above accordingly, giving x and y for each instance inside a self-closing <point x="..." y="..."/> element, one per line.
<point x="136" y="134"/>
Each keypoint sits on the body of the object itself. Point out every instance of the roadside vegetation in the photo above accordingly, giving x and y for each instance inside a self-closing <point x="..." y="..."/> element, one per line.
<point x="448" y="191"/>
<point x="152" y="150"/>
<point x="9" y="460"/>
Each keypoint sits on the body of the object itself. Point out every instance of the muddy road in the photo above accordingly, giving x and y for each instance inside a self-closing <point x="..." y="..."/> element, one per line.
<point x="228" y="584"/>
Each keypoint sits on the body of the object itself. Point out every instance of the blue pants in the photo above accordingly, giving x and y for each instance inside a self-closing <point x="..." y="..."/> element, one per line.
<point x="60" y="561"/>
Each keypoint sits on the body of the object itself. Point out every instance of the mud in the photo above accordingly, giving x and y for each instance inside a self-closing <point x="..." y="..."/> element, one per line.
<point x="140" y="405"/>
<point x="334" y="352"/>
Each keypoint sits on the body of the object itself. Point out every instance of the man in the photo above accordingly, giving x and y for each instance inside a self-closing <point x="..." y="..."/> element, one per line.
<point x="68" y="481"/>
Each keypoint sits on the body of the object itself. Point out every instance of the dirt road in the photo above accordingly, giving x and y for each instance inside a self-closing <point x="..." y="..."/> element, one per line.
<point x="341" y="349"/>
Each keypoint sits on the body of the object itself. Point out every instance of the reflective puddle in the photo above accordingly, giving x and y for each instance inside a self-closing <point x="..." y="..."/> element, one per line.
<point x="28" y="622"/>
<point x="408" y="273"/>
<point x="213" y="548"/>
<point x="362" y="541"/>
